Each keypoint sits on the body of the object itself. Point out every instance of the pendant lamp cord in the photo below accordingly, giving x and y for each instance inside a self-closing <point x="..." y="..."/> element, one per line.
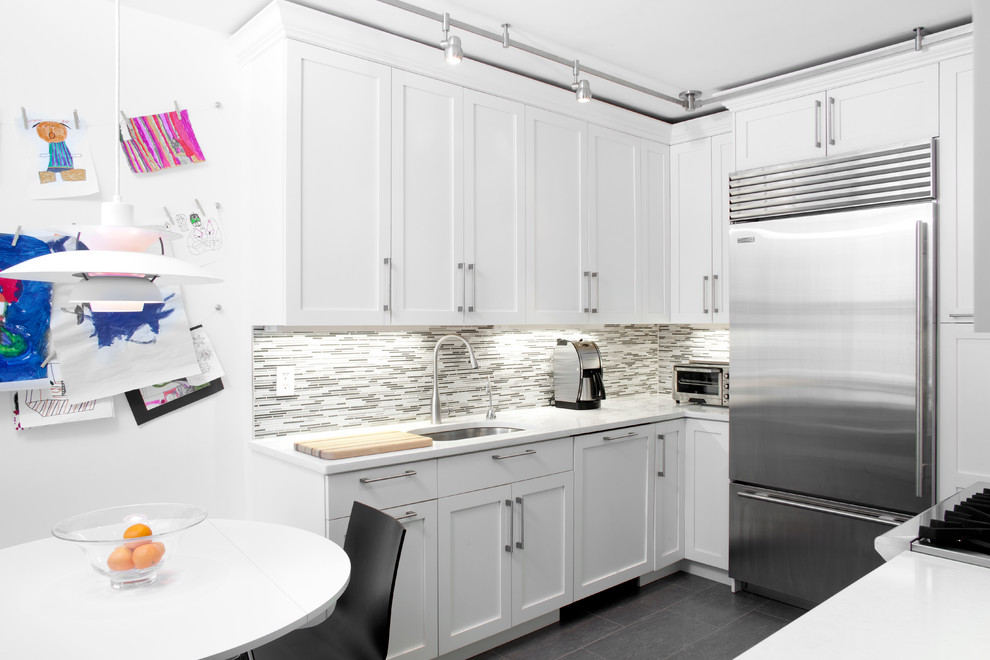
<point x="116" y="109"/>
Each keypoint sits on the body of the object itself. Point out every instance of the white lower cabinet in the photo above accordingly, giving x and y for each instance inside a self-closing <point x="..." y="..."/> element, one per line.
<point x="413" y="635"/>
<point x="706" y="492"/>
<point x="668" y="495"/>
<point x="613" y="530"/>
<point x="505" y="557"/>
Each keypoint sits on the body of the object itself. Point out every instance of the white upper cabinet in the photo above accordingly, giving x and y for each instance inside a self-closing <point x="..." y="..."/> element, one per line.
<point x="614" y="229"/>
<point x="891" y="109"/>
<point x="654" y="243"/>
<point x="427" y="200"/>
<point x="556" y="211"/>
<point x="956" y="191"/>
<point x="494" y="266"/>
<point x="699" y="226"/>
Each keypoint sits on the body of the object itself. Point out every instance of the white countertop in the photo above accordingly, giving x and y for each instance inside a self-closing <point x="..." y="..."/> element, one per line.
<point x="914" y="606"/>
<point x="538" y="424"/>
<point x="232" y="585"/>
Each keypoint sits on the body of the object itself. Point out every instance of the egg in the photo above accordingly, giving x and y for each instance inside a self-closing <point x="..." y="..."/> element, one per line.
<point x="148" y="555"/>
<point x="120" y="559"/>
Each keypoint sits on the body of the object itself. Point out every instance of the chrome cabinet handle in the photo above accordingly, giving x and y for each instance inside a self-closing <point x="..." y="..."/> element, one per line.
<point x="620" y="437"/>
<point x="818" y="122"/>
<point x="919" y="331"/>
<point x="474" y="287"/>
<point x="831" y="120"/>
<point x="704" y="294"/>
<point x="463" y="296"/>
<point x="587" y="279"/>
<point x="663" y="454"/>
<point x="714" y="291"/>
<point x="370" y="480"/>
<point x="961" y="316"/>
<point x="763" y="497"/>
<point x="528" y="452"/>
<point x="388" y="285"/>
<point x="522" y="524"/>
<point x="598" y="293"/>
<point x="512" y="525"/>
<point x="409" y="514"/>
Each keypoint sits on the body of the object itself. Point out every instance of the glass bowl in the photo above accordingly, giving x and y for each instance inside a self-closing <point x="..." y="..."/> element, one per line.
<point x="100" y="535"/>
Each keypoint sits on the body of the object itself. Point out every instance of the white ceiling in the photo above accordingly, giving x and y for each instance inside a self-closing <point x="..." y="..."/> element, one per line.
<point x="708" y="45"/>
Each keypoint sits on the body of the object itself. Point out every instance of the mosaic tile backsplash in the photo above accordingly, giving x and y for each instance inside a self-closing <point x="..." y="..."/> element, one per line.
<point x="347" y="379"/>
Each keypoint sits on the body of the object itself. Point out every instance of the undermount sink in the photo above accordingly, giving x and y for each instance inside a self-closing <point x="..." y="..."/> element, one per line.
<point x="465" y="432"/>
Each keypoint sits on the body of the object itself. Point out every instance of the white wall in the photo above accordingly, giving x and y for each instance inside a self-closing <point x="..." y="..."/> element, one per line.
<point x="62" y="59"/>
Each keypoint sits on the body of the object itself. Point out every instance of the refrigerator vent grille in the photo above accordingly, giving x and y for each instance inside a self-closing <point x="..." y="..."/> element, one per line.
<point x="896" y="174"/>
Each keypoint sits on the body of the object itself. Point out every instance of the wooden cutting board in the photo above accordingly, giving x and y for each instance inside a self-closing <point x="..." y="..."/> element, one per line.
<point x="364" y="444"/>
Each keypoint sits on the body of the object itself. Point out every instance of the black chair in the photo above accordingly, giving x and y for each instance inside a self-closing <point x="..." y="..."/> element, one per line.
<point x="359" y="625"/>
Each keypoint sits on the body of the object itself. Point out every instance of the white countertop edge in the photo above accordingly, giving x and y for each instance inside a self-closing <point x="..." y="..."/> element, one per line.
<point x="544" y="423"/>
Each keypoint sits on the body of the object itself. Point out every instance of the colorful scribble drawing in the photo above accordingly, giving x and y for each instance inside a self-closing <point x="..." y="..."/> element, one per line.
<point x="158" y="142"/>
<point x="205" y="236"/>
<point x="25" y="310"/>
<point x="137" y="327"/>
<point x="162" y="393"/>
<point x="53" y="407"/>
<point x="59" y="156"/>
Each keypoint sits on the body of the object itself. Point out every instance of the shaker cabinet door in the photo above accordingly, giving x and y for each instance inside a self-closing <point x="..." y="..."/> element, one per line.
<point x="780" y="132"/>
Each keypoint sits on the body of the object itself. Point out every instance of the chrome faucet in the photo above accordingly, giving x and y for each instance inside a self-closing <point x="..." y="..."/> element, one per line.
<point x="435" y="406"/>
<point x="491" y="406"/>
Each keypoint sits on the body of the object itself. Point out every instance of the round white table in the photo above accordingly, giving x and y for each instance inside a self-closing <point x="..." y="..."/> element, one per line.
<point x="232" y="586"/>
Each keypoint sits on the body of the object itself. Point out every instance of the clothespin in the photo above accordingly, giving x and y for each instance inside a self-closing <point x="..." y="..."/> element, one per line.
<point x="168" y="215"/>
<point x="17" y="235"/>
<point x="24" y="116"/>
<point x="51" y="356"/>
<point x="75" y="117"/>
<point x="177" y="109"/>
<point x="200" y="207"/>
<point x="217" y="204"/>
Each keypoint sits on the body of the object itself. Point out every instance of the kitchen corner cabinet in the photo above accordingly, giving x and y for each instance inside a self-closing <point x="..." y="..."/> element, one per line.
<point x="699" y="230"/>
<point x="413" y="633"/>
<point x="706" y="492"/>
<point x="613" y="530"/>
<point x="955" y="190"/>
<point x="504" y="556"/>
<point x="318" y="186"/>
<point x="668" y="495"/>
<point x="963" y="416"/>
<point x="895" y="108"/>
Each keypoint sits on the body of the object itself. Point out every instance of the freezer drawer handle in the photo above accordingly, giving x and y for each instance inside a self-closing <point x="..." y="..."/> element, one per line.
<point x="498" y="457"/>
<point x="370" y="480"/>
<point x="823" y="509"/>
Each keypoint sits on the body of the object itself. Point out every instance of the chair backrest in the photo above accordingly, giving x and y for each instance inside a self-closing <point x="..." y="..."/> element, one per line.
<point x="373" y="544"/>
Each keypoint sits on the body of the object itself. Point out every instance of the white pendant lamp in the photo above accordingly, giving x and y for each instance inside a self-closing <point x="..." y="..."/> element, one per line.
<point x="116" y="274"/>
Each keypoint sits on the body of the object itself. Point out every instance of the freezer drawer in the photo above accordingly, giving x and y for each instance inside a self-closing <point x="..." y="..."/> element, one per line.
<point x="801" y="549"/>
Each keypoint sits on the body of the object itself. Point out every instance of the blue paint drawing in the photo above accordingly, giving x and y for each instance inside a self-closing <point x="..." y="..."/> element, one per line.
<point x="25" y="311"/>
<point x="136" y="327"/>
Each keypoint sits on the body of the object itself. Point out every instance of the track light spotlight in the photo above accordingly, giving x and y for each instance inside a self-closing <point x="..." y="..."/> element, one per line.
<point x="452" y="51"/>
<point x="582" y="88"/>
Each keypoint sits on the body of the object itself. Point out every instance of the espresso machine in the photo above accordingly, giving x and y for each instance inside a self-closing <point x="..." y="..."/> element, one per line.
<point x="577" y="375"/>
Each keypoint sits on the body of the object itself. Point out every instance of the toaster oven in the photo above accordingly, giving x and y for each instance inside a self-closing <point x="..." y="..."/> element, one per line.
<point x="702" y="382"/>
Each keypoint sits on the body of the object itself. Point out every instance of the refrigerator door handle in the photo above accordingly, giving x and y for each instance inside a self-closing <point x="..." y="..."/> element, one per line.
<point x="776" y="499"/>
<point x="919" y="373"/>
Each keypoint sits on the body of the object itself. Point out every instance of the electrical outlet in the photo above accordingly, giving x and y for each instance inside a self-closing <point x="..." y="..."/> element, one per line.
<point x="285" y="381"/>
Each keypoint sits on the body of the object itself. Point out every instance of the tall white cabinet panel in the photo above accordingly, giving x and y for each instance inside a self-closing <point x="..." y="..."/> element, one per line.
<point x="723" y="164"/>
<point x="614" y="227"/>
<point x="474" y="554"/>
<point x="613" y="530"/>
<point x="654" y="248"/>
<point x="494" y="268"/>
<point x="963" y="415"/>
<point x="427" y="200"/>
<point x="956" y="191"/>
<point x="337" y="192"/>
<point x="413" y="633"/>
<point x="542" y="547"/>
<point x="668" y="496"/>
<point x="706" y="492"/>
<point x="556" y="211"/>
<point x="780" y="132"/>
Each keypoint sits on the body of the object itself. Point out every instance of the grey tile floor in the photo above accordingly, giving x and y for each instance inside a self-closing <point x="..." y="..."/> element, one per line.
<point x="682" y="617"/>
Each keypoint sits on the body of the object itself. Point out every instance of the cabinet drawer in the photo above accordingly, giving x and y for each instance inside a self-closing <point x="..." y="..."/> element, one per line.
<point x="381" y="487"/>
<point x="484" y="469"/>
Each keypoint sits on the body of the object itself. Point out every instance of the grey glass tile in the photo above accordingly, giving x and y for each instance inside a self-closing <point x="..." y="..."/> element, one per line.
<point x="575" y="630"/>
<point x="781" y="610"/>
<point x="580" y="654"/>
<point x="733" y="639"/>
<point x="718" y="606"/>
<point x="649" y="600"/>
<point x="653" y="638"/>
<point x="690" y="582"/>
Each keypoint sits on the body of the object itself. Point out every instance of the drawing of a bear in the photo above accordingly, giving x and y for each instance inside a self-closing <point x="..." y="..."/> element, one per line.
<point x="59" y="156"/>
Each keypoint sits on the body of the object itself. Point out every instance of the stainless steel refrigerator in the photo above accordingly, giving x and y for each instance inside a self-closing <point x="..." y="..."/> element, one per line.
<point x="831" y="362"/>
